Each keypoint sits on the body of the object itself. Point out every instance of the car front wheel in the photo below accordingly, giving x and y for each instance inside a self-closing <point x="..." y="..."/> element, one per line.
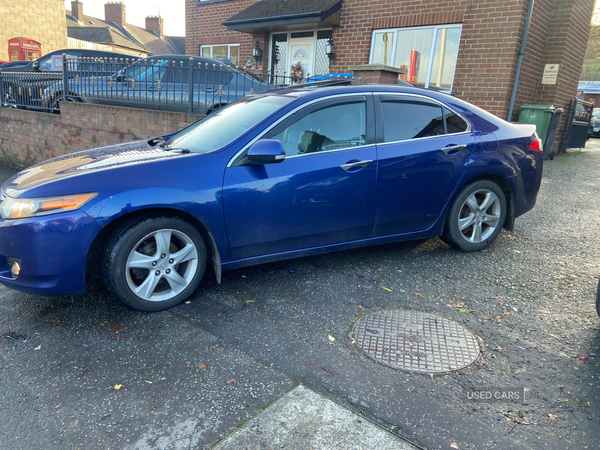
<point x="154" y="263"/>
<point x="476" y="216"/>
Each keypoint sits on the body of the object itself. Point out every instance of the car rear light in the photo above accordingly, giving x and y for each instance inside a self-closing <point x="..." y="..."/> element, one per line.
<point x="536" y="145"/>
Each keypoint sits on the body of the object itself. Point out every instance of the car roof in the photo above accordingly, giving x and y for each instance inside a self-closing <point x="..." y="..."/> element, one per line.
<point x="484" y="120"/>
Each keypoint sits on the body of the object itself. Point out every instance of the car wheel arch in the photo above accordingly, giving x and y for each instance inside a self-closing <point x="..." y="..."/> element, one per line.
<point x="100" y="242"/>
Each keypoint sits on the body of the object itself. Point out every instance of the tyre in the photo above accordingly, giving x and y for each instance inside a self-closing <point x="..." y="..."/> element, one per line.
<point x="476" y="216"/>
<point x="154" y="263"/>
<point x="58" y="99"/>
<point x="598" y="298"/>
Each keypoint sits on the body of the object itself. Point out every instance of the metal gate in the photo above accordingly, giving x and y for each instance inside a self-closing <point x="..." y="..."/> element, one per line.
<point x="577" y="125"/>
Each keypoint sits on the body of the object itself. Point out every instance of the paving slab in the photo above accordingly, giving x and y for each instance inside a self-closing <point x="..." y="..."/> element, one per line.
<point x="305" y="419"/>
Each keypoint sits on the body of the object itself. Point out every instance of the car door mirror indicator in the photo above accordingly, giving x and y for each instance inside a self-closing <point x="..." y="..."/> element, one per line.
<point x="266" y="151"/>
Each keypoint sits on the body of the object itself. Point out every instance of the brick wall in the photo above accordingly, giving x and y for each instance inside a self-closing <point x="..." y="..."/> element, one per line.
<point x="488" y="52"/>
<point x="29" y="137"/>
<point x="41" y="20"/>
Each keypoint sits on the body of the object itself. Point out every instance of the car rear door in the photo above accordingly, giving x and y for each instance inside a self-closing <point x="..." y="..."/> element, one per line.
<point x="321" y="194"/>
<point x="423" y="149"/>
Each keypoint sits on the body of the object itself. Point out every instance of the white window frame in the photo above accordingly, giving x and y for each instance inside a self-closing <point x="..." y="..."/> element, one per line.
<point x="202" y="47"/>
<point x="435" y="28"/>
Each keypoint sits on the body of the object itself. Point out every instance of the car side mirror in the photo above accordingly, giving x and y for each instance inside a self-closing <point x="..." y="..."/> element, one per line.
<point x="36" y="66"/>
<point x="266" y="151"/>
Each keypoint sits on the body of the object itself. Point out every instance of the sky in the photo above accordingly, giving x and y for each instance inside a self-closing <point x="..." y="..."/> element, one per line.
<point x="172" y="12"/>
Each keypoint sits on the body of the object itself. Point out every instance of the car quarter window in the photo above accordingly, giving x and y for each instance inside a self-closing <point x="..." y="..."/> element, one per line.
<point x="455" y="123"/>
<point x="412" y="118"/>
<point x="332" y="127"/>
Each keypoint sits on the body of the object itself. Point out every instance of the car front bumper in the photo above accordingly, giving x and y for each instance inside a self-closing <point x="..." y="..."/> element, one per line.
<point x="51" y="252"/>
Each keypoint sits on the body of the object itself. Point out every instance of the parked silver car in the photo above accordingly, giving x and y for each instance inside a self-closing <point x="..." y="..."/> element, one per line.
<point x="167" y="82"/>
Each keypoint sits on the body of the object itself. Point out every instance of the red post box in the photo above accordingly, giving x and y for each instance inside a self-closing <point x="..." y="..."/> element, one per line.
<point x="24" y="49"/>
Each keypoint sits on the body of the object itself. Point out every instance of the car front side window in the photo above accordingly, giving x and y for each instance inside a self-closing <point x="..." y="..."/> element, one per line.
<point x="329" y="128"/>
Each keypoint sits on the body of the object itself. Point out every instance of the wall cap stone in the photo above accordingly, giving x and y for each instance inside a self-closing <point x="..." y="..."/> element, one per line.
<point x="375" y="67"/>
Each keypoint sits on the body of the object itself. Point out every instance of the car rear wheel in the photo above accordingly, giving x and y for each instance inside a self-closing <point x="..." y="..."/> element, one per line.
<point x="476" y="216"/>
<point x="69" y="98"/>
<point x="154" y="263"/>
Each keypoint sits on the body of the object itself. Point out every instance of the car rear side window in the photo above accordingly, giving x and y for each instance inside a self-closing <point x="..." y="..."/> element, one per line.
<point x="409" y="118"/>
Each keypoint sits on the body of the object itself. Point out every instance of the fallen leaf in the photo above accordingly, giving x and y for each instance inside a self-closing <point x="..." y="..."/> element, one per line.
<point x="419" y="294"/>
<point x="188" y="302"/>
<point x="389" y="290"/>
<point x="453" y="445"/>
<point x="153" y="407"/>
<point x="149" y="382"/>
<point x="329" y="372"/>
<point x="116" y="326"/>
<point x="331" y="338"/>
<point x="232" y="380"/>
<point x="552" y="418"/>
<point x="202" y="366"/>
<point x="38" y="347"/>
<point x="58" y="405"/>
<point x="250" y="301"/>
<point x="116" y="387"/>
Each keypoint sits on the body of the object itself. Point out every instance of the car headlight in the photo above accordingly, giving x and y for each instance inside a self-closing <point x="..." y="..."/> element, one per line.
<point x="21" y="208"/>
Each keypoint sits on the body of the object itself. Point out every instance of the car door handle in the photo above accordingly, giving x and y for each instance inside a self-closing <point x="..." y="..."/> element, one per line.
<point x="356" y="164"/>
<point x="452" y="149"/>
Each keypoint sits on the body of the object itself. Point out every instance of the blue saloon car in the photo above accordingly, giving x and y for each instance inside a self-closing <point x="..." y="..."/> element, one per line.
<point x="276" y="175"/>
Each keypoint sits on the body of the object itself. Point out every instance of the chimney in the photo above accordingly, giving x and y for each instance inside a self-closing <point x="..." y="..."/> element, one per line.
<point x="155" y="24"/>
<point x="115" y="12"/>
<point x="77" y="10"/>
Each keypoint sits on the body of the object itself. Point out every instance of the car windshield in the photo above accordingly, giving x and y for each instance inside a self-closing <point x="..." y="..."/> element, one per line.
<point x="596" y="112"/>
<point x="227" y="124"/>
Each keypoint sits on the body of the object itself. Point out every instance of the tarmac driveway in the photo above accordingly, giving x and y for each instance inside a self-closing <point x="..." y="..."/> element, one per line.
<point x="85" y="372"/>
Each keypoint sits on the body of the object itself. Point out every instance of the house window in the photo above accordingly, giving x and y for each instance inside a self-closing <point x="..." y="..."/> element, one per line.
<point x="428" y="53"/>
<point x="222" y="51"/>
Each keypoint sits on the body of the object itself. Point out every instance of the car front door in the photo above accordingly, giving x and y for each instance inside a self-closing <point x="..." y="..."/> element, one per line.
<point x="321" y="194"/>
<point x="423" y="151"/>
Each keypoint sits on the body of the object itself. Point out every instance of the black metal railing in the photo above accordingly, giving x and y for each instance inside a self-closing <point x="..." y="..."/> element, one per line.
<point x="184" y="84"/>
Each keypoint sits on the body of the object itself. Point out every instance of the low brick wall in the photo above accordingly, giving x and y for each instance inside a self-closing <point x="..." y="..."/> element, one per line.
<point x="29" y="137"/>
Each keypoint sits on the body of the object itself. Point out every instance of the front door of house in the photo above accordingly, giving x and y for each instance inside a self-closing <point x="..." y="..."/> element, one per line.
<point x="302" y="51"/>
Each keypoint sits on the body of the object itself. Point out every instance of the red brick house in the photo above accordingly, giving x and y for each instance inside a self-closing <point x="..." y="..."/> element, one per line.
<point x="468" y="47"/>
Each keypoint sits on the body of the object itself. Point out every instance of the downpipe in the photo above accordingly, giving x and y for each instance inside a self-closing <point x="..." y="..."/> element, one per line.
<point x="520" y="62"/>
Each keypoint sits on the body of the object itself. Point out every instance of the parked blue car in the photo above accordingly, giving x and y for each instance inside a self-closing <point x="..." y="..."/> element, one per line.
<point x="277" y="175"/>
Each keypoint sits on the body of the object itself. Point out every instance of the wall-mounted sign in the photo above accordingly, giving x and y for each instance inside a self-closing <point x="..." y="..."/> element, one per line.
<point x="248" y="63"/>
<point x="550" y="73"/>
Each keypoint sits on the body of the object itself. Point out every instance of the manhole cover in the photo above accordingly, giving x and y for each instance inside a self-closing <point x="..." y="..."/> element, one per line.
<point x="415" y="341"/>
